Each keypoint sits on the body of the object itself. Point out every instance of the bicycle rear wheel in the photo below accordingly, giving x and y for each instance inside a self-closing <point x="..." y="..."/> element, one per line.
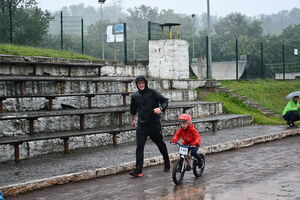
<point x="198" y="168"/>
<point x="178" y="171"/>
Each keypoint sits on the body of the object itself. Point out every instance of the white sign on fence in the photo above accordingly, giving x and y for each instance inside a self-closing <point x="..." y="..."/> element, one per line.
<point x="115" y="33"/>
<point x="296" y="52"/>
<point x="110" y="37"/>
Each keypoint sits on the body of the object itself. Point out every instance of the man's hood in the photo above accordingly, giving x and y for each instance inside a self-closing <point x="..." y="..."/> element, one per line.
<point x="141" y="78"/>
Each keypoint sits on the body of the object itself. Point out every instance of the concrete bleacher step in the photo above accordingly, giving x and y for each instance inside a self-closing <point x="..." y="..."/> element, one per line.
<point x="19" y="123"/>
<point x="36" y="85"/>
<point x="43" y="143"/>
<point x="15" y="103"/>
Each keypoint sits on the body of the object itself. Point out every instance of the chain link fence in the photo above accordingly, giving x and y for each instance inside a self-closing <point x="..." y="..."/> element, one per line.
<point x="243" y="58"/>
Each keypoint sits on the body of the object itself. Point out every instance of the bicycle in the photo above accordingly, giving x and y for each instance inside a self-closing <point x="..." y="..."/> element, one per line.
<point x="182" y="165"/>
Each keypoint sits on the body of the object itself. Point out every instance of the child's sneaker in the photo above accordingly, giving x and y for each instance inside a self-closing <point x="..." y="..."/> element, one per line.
<point x="135" y="173"/>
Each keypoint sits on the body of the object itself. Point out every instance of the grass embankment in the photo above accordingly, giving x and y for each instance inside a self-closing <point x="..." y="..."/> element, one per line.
<point x="32" y="51"/>
<point x="268" y="93"/>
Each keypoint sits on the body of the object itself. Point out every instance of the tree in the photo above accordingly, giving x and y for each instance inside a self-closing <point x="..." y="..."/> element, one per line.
<point x="232" y="26"/>
<point x="290" y="37"/>
<point x="29" y="23"/>
<point x="275" y="23"/>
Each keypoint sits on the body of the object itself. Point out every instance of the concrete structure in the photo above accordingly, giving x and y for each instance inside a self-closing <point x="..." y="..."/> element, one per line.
<point x="225" y="70"/>
<point x="287" y="76"/>
<point x="168" y="59"/>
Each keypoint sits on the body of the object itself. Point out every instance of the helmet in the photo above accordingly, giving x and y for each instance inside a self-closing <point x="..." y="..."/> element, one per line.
<point x="185" y="117"/>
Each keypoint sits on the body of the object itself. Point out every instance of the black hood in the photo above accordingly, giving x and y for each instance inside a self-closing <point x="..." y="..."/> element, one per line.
<point x="142" y="78"/>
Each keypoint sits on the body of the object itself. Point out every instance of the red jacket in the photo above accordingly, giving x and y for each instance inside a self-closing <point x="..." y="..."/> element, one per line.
<point x="190" y="136"/>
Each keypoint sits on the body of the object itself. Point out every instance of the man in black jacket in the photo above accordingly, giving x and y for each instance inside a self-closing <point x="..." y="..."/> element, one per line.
<point x="148" y="104"/>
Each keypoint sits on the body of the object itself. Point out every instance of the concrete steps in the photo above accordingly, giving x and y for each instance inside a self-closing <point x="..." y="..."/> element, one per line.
<point x="203" y="124"/>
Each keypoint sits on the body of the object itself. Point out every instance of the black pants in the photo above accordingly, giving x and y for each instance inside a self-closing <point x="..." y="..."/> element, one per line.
<point x="291" y="116"/>
<point x="153" y="131"/>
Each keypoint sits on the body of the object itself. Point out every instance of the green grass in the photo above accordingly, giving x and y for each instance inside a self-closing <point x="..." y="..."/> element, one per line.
<point x="269" y="93"/>
<point x="32" y="51"/>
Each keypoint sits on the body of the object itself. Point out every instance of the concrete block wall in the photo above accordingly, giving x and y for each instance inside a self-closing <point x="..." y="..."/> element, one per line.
<point x="169" y="59"/>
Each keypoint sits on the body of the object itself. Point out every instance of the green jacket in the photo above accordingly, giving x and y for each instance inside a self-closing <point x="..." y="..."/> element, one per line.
<point x="291" y="106"/>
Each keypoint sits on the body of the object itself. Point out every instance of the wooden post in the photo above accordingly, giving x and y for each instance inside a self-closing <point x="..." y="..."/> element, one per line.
<point x="96" y="86"/>
<point x="31" y="126"/>
<point x="114" y="138"/>
<point x="22" y="83"/>
<point x="81" y="121"/>
<point x="99" y="70"/>
<point x="1" y="104"/>
<point x="214" y="125"/>
<point x="34" y="69"/>
<point x="120" y="118"/>
<point x="126" y="86"/>
<point x="61" y="87"/>
<point x="66" y="145"/>
<point x="17" y="152"/>
<point x="50" y="102"/>
<point x="69" y="71"/>
<point x="124" y="99"/>
<point x="89" y="101"/>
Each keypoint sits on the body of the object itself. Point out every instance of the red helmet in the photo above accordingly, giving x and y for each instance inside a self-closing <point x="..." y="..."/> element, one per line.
<point x="185" y="117"/>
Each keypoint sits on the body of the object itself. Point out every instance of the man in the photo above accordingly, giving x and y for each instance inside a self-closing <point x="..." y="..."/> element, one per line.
<point x="291" y="111"/>
<point x="148" y="104"/>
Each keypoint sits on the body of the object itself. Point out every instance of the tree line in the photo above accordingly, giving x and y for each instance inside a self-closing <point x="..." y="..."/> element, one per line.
<point x="30" y="26"/>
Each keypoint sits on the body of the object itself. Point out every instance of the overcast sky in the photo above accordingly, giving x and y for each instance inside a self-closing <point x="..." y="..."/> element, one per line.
<point x="217" y="7"/>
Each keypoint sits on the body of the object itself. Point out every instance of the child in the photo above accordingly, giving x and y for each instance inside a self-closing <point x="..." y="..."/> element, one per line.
<point x="189" y="135"/>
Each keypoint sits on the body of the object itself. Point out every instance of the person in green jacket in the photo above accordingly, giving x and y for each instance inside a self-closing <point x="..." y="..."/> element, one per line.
<point x="291" y="111"/>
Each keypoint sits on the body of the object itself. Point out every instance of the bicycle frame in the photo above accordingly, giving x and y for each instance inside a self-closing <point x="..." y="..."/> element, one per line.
<point x="185" y="155"/>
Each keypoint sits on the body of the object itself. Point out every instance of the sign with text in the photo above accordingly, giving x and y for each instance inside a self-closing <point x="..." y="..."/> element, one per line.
<point x="115" y="33"/>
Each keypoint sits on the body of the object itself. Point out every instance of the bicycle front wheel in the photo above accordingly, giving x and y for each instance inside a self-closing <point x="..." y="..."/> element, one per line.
<point x="198" y="168"/>
<point x="178" y="171"/>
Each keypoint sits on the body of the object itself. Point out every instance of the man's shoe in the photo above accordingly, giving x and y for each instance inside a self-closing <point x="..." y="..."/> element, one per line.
<point x="167" y="167"/>
<point x="135" y="173"/>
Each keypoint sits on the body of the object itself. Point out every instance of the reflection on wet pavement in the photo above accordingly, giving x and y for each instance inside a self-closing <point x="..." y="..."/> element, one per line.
<point x="264" y="171"/>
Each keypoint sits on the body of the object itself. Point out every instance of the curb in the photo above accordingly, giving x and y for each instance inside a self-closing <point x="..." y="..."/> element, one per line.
<point x="15" y="189"/>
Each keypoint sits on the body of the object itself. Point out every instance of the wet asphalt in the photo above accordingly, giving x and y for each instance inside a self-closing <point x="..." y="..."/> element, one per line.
<point x="105" y="156"/>
<point x="263" y="171"/>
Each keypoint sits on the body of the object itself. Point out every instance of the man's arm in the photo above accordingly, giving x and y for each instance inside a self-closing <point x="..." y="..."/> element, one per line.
<point x="163" y="101"/>
<point x="133" y="120"/>
<point x="133" y="111"/>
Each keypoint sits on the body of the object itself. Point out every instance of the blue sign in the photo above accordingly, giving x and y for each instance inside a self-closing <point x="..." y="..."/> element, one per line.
<point x="119" y="28"/>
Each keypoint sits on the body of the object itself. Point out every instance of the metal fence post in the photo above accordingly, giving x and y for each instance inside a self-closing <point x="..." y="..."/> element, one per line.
<point x="237" y="59"/>
<point x="283" y="61"/>
<point x="207" y="62"/>
<point x="262" y="59"/>
<point x="125" y="44"/>
<point x="149" y="30"/>
<point x="61" y="31"/>
<point x="82" y="43"/>
<point x="10" y="24"/>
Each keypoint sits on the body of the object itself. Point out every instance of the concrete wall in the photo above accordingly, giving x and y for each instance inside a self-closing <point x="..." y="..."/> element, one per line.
<point x="220" y="70"/>
<point x="287" y="75"/>
<point x="169" y="59"/>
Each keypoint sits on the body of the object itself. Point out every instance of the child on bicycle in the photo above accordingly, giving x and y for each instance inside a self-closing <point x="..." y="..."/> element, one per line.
<point x="189" y="134"/>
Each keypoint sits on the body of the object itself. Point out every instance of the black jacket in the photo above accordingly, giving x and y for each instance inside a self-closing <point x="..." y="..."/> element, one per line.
<point x="144" y="101"/>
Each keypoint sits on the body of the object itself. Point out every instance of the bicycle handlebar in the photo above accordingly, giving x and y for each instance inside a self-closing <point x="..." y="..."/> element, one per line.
<point x="177" y="143"/>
